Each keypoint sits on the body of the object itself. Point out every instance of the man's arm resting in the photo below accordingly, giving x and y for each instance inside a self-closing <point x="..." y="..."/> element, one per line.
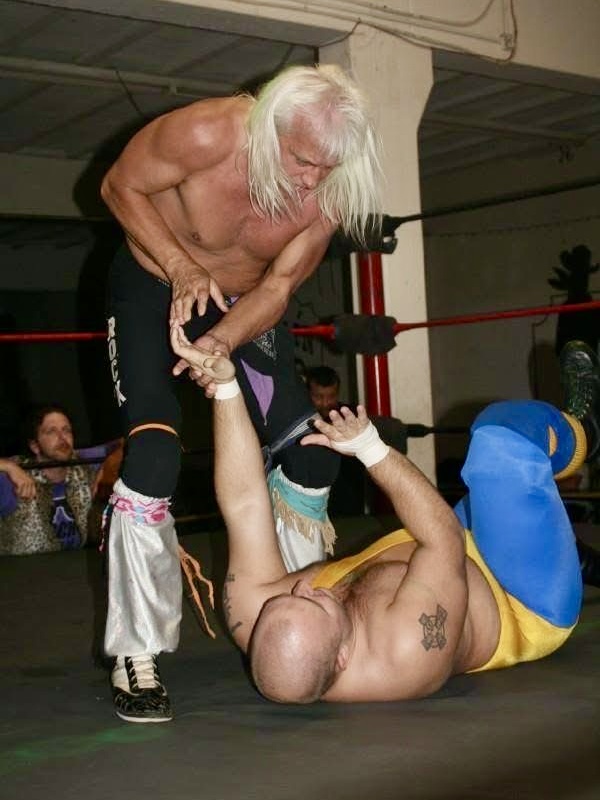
<point x="419" y="505"/>
<point x="427" y="610"/>
<point x="22" y="482"/>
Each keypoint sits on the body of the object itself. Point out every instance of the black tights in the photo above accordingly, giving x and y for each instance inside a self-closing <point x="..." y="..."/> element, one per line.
<point x="141" y="364"/>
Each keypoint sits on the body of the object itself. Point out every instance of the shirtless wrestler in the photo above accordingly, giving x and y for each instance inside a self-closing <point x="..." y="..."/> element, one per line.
<point x="227" y="205"/>
<point x="492" y="583"/>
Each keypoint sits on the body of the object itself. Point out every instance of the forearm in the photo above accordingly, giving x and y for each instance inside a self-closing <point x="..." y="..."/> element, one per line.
<point x="242" y="493"/>
<point x="262" y="307"/>
<point x="251" y="315"/>
<point x="239" y="469"/>
<point x="417" y="503"/>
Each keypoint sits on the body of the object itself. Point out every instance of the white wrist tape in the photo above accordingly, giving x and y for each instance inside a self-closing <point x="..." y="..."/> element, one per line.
<point x="367" y="446"/>
<point x="225" y="391"/>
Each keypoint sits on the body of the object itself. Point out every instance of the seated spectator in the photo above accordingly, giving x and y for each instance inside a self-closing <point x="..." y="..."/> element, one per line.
<point x="323" y="384"/>
<point x="45" y="509"/>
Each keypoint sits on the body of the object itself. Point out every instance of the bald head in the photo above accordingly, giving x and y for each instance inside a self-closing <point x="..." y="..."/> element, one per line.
<point x="293" y="654"/>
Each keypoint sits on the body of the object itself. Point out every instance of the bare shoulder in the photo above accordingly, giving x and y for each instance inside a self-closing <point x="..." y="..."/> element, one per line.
<point x="401" y="665"/>
<point x="217" y="123"/>
<point x="195" y="137"/>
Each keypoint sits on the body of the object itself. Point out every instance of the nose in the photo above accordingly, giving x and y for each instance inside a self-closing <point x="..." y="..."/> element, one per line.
<point x="302" y="589"/>
<point x="311" y="177"/>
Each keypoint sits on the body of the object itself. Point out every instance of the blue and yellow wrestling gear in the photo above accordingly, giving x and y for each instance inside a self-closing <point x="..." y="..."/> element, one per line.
<point x="514" y="509"/>
<point x="521" y="537"/>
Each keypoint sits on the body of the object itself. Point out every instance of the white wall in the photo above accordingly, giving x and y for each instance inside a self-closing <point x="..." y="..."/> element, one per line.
<point x="558" y="35"/>
<point x="496" y="259"/>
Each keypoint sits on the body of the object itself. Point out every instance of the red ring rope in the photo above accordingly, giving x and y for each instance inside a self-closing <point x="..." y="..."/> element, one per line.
<point x="51" y="337"/>
<point x="328" y="331"/>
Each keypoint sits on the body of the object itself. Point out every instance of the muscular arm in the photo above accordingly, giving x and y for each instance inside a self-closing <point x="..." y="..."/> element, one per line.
<point x="419" y="505"/>
<point x="429" y="606"/>
<point x="262" y="307"/>
<point x="254" y="559"/>
<point x="160" y="157"/>
<point x="255" y="563"/>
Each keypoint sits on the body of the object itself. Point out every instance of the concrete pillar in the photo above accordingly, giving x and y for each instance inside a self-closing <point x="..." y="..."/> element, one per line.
<point x="397" y="77"/>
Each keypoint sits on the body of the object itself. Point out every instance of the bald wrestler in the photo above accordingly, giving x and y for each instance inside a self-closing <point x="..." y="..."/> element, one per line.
<point x="496" y="583"/>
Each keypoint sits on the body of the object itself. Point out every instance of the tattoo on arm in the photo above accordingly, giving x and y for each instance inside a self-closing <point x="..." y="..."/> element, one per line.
<point x="230" y="578"/>
<point x="433" y="628"/>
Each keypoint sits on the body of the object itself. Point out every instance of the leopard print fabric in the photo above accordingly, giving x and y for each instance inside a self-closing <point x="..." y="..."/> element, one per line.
<point x="29" y="530"/>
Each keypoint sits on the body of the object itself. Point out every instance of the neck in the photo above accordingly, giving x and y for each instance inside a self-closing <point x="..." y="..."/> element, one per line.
<point x="55" y="474"/>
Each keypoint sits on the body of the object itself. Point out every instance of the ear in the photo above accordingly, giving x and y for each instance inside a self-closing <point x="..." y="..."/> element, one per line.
<point x="342" y="658"/>
<point x="34" y="447"/>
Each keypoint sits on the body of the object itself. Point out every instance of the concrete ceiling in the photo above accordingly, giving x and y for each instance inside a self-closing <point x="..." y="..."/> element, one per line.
<point x="74" y="84"/>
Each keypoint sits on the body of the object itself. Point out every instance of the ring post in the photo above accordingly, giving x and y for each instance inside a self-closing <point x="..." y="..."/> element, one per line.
<point x="377" y="381"/>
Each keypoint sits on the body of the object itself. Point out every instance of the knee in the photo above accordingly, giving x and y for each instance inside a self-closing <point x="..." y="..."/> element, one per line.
<point x="152" y="462"/>
<point x="312" y="466"/>
<point x="530" y="418"/>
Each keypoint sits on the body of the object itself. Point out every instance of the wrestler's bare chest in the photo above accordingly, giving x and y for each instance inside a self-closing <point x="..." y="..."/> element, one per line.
<point x="211" y="216"/>
<point x="373" y="585"/>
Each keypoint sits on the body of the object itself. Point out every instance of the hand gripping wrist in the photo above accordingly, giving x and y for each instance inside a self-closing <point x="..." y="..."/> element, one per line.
<point x="367" y="446"/>
<point x="225" y="391"/>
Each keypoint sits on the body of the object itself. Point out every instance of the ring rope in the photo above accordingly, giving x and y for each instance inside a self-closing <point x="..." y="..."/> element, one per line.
<point x="328" y="331"/>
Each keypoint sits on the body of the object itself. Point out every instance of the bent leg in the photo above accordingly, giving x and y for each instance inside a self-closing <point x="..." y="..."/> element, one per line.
<point x="300" y="483"/>
<point x="514" y="509"/>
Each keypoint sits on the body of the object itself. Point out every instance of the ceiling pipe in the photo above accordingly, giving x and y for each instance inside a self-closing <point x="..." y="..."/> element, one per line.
<point x="76" y="74"/>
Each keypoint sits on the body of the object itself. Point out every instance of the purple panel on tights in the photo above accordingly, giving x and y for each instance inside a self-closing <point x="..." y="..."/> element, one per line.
<point x="262" y="386"/>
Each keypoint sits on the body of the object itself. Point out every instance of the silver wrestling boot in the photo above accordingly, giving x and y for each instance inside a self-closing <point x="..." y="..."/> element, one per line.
<point x="144" y="602"/>
<point x="138" y="692"/>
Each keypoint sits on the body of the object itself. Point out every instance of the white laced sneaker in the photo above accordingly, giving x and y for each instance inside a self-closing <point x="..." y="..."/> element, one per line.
<point x="138" y="692"/>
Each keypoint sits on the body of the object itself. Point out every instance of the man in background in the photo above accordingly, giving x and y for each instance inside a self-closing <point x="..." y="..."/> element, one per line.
<point x="46" y="509"/>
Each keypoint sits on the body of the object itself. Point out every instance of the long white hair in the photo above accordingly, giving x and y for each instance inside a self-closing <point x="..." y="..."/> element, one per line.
<point x="337" y="109"/>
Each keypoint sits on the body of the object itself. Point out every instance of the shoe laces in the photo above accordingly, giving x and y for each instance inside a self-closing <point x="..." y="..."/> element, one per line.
<point x="144" y="672"/>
